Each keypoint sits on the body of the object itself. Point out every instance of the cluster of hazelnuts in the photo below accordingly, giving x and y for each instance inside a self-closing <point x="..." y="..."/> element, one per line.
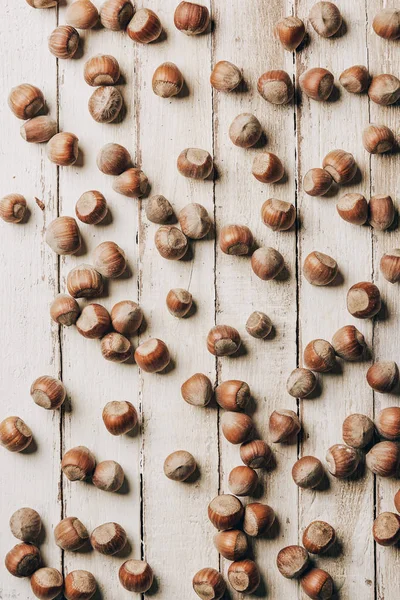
<point x="70" y="534"/>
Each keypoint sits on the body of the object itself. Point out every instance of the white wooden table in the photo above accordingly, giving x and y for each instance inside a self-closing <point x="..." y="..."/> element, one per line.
<point x="167" y="521"/>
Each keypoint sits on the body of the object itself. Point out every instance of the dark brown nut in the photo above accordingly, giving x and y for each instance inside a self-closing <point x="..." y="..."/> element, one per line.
<point x="94" y="321"/>
<point x="358" y="431"/>
<point x="319" y="268"/>
<point x="384" y="458"/>
<point x="78" y="463"/>
<point x="113" y="159"/>
<point x="63" y="236"/>
<point x="233" y="395"/>
<point x="79" y="585"/>
<point x="301" y="383"/>
<point x="317" y="84"/>
<point x="108" y="476"/>
<point x="319" y="356"/>
<point x="326" y="19"/>
<point x="225" y="76"/>
<point x="283" y="425"/>
<point x="244" y="576"/>
<point x="267" y="167"/>
<point x="46" y="583"/>
<point x="84" y="282"/>
<point x="152" y="356"/>
<point x="91" y="208"/>
<point x="26" y="524"/>
<point x="353" y="208"/>
<point x="108" y="539"/>
<point x="388" y="423"/>
<point x="195" y="163"/>
<point x="267" y="263"/>
<point x="364" y="300"/>
<point x="39" y="129"/>
<point x="290" y="31"/>
<point x="64" y="41"/>
<point x="318" y="537"/>
<point x="378" y="139"/>
<point x="317" y="584"/>
<point x="116" y="347"/>
<point x="70" y="534"/>
<point x="144" y="27"/>
<point x="390" y="266"/>
<point x="116" y="14"/>
<point x="62" y="149"/>
<point x="381" y="212"/>
<point x="191" y="18"/>
<point x="170" y="242"/>
<point x="386" y="529"/>
<point x="258" y="518"/>
<point x="15" y="435"/>
<point x="223" y="340"/>
<point x="317" y="182"/>
<point x="194" y="221"/>
<point x="349" y="343"/>
<point x="276" y="87"/>
<point x="136" y="576"/>
<point x="242" y="481"/>
<point x="48" y="392"/>
<point x="23" y="560"/>
<point x="231" y="544"/>
<point x="258" y="325"/>
<point x="245" y="130"/>
<point x="256" y="454"/>
<point x="278" y="215"/>
<point x="12" y="208"/>
<point x="82" y="14"/>
<point x="101" y="69"/>
<point x="384" y="89"/>
<point x="208" y="583"/>
<point x="342" y="460"/>
<point x="292" y="561"/>
<point x="167" y="80"/>
<point x="383" y="376"/>
<point x="341" y="165"/>
<point x="132" y="183"/>
<point x="25" y="101"/>
<point x="126" y="317"/>
<point x="159" y="210"/>
<point x="179" y="465"/>
<point x="119" y="417"/>
<point x="197" y="390"/>
<point x="355" y="79"/>
<point x="308" y="472"/>
<point x="236" y="240"/>
<point x="225" y="511"/>
<point x="386" y="23"/>
<point x="236" y="427"/>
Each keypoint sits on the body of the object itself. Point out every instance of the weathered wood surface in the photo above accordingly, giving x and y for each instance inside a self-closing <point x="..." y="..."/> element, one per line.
<point x="167" y="522"/>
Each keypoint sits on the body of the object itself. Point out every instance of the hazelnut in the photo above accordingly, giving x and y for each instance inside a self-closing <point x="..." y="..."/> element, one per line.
<point x="317" y="583"/>
<point x="384" y="89"/>
<point x="179" y="465"/>
<point x="386" y="23"/>
<point x="386" y="529"/>
<point x="225" y="76"/>
<point x="397" y="501"/>
<point x="317" y="182"/>
<point x="363" y="300"/>
<point x="194" y="221"/>
<point x="388" y="423"/>
<point x="276" y="87"/>
<point x="236" y="240"/>
<point x="267" y="263"/>
<point x="342" y="460"/>
<point x="108" y="476"/>
<point x="116" y="14"/>
<point x="231" y="544"/>
<point x="258" y="518"/>
<point x="390" y="266"/>
<point x="195" y="163"/>
<point x="317" y="83"/>
<point x="197" y="390"/>
<point x="63" y="236"/>
<point x="357" y="431"/>
<point x="292" y="561"/>
<point x="15" y="436"/>
<point x="78" y="463"/>
<point x="39" y="129"/>
<point x="225" y="511"/>
<point x="119" y="417"/>
<point x="378" y="139"/>
<point x="113" y="159"/>
<point x="340" y="165"/>
<point x="170" y="242"/>
<point x="318" y="537"/>
<point x="42" y="3"/>
<point x="258" y="325"/>
<point x="26" y="524"/>
<point x="101" y="69"/>
<point x="23" y="560"/>
<point x="12" y="208"/>
<point x="70" y="534"/>
<point x="319" y="356"/>
<point x="126" y="317"/>
<point x="179" y="302"/>
<point x="242" y="481"/>
<point x="326" y="19"/>
<point x="301" y="383"/>
<point x="84" y="282"/>
<point x="132" y="183"/>
<point x="353" y="208"/>
<point x="82" y="14"/>
<point x="152" y="356"/>
<point x="105" y="104"/>
<point x="136" y="576"/>
<point x="236" y="427"/>
<point x="233" y="395"/>
<point x="245" y="130"/>
<point x="244" y="576"/>
<point x="283" y="425"/>
<point x="25" y="101"/>
<point x="48" y="392"/>
<point x="116" y="347"/>
<point x="108" y="539"/>
<point x="383" y="459"/>
<point x="355" y="79"/>
<point x="223" y="340"/>
<point x="267" y="167"/>
<point x="47" y="583"/>
<point x="167" y="80"/>
<point x="159" y="210"/>
<point x="319" y="268"/>
<point x="64" y="41"/>
<point x="208" y="583"/>
<point x="94" y="321"/>
<point x="290" y="31"/>
<point x="144" y="27"/>
<point x="62" y="149"/>
<point x="349" y="343"/>
<point x="381" y="212"/>
<point x="79" y="585"/>
<point x="91" y="208"/>
<point x="256" y="454"/>
<point x="191" y="18"/>
<point x="109" y="260"/>
<point x="278" y="215"/>
<point x="308" y="473"/>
